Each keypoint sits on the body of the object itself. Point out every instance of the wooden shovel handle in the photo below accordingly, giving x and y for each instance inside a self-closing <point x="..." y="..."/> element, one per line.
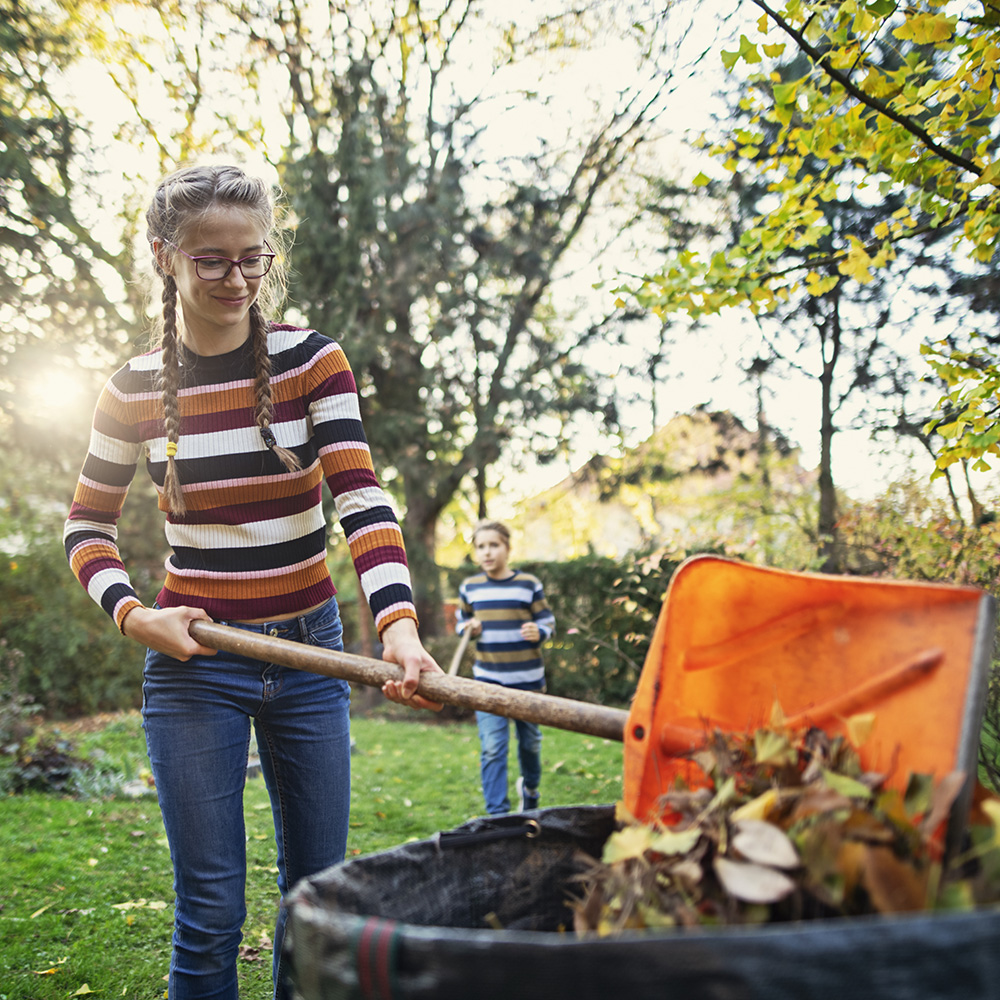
<point x="456" y="660"/>
<point x="529" y="706"/>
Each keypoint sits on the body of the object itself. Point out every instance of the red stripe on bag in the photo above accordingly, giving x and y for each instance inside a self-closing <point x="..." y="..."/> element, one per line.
<point x="363" y="958"/>
<point x="384" y="958"/>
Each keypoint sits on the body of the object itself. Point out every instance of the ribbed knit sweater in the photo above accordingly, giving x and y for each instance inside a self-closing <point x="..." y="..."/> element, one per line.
<point x="253" y="541"/>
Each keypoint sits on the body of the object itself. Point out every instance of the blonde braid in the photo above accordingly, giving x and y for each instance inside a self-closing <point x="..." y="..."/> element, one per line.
<point x="262" y="389"/>
<point x="169" y="378"/>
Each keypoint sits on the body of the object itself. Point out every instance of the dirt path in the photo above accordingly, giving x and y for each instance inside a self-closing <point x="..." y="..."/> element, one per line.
<point x="86" y="723"/>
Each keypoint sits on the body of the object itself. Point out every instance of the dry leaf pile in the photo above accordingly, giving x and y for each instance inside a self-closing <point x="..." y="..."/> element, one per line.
<point x="789" y="827"/>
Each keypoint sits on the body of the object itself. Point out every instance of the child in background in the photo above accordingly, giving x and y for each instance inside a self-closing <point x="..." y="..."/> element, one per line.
<point x="507" y="610"/>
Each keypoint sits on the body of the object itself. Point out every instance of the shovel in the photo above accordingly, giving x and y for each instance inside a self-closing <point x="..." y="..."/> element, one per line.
<point x="732" y="642"/>
<point x="531" y="706"/>
<point x="456" y="660"/>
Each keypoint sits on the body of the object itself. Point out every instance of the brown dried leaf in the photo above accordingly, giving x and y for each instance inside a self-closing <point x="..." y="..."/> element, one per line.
<point x="706" y="759"/>
<point x="862" y="825"/>
<point x="686" y="871"/>
<point x="820" y="799"/>
<point x="873" y="779"/>
<point x="752" y="883"/>
<point x="942" y="799"/>
<point x="764" y="843"/>
<point x="851" y="864"/>
<point x="893" y="885"/>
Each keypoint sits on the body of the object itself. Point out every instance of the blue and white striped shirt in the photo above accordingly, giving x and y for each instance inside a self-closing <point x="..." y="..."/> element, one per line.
<point x="503" y="606"/>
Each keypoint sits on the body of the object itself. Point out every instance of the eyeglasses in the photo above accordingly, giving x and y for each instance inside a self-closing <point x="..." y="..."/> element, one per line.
<point x="216" y="268"/>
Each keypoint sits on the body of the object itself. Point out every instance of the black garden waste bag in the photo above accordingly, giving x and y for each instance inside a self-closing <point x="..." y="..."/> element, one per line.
<point x="479" y="913"/>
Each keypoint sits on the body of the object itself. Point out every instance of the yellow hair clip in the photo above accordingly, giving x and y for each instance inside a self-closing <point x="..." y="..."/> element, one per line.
<point x="171" y="449"/>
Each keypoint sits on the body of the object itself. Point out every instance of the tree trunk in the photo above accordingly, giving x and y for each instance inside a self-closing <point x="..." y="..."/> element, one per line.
<point x="419" y="529"/>
<point x="827" y="526"/>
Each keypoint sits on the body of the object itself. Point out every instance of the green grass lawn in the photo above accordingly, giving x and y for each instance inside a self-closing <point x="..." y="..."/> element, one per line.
<point x="86" y="903"/>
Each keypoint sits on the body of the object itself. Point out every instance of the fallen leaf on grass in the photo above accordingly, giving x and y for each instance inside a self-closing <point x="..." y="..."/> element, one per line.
<point x="84" y="990"/>
<point x="39" y="911"/>
<point x="53" y="970"/>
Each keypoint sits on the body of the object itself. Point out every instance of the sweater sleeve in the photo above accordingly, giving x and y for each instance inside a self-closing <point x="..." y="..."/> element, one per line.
<point x="541" y="613"/>
<point x="464" y="613"/>
<point x="369" y="522"/>
<point x="90" y="534"/>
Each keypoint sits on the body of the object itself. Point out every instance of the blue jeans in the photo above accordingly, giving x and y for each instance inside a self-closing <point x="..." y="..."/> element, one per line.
<point x="197" y="720"/>
<point x="494" y="737"/>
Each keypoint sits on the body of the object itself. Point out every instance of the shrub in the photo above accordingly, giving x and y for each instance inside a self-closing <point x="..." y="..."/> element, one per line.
<point x="74" y="660"/>
<point x="606" y="611"/>
<point x="28" y="759"/>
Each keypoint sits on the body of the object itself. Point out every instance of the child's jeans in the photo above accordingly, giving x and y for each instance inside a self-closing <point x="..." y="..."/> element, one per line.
<point x="197" y="720"/>
<point x="494" y="737"/>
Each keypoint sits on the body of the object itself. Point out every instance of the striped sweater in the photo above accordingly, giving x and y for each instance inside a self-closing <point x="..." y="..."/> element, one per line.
<point x="253" y="541"/>
<point x="503" y="606"/>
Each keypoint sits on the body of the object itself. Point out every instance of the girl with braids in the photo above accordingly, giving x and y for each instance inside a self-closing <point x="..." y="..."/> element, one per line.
<point x="239" y="420"/>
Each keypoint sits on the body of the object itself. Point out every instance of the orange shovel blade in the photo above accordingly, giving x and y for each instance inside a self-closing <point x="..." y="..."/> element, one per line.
<point x="733" y="639"/>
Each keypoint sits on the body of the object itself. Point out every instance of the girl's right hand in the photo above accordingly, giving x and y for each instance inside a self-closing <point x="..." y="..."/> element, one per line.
<point x="166" y="630"/>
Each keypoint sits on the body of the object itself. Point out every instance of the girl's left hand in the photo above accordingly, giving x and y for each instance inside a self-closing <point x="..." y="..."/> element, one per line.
<point x="402" y="645"/>
<point x="531" y="632"/>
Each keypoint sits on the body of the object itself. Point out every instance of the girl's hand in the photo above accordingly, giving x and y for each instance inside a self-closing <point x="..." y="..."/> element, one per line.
<point x="402" y="645"/>
<point x="166" y="630"/>
<point x="531" y="632"/>
<point x="474" y="627"/>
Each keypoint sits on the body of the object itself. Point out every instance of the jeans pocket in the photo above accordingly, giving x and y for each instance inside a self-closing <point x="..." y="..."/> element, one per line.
<point x="325" y="628"/>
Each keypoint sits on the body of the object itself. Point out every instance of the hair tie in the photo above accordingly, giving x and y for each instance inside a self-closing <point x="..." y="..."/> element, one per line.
<point x="269" y="439"/>
<point x="171" y="449"/>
